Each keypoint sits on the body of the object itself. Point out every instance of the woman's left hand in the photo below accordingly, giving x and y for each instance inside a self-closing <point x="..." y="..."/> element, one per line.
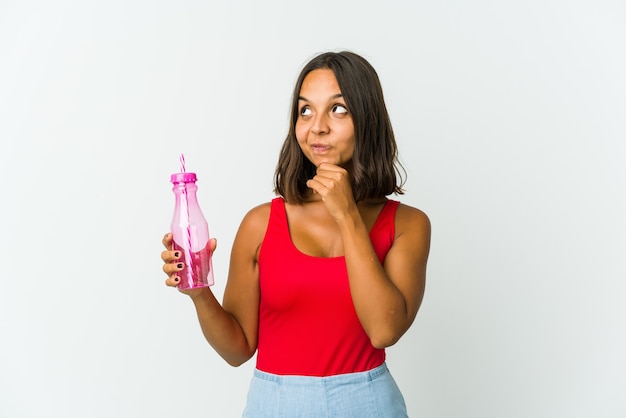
<point x="332" y="183"/>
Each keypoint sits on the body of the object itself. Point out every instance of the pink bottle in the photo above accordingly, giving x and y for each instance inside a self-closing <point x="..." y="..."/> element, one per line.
<point x="190" y="233"/>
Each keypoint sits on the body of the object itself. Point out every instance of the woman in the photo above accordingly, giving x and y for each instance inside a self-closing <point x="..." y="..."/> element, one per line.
<point x="331" y="272"/>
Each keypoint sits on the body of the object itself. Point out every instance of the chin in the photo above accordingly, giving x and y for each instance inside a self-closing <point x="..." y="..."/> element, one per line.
<point x="318" y="160"/>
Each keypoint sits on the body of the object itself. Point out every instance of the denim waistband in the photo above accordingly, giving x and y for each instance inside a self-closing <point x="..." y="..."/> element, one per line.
<point x="357" y="377"/>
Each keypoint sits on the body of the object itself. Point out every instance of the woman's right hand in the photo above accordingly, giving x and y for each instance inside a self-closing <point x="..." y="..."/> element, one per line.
<point x="172" y="263"/>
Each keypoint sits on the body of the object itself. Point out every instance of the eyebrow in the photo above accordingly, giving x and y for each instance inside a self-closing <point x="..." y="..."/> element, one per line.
<point x="333" y="97"/>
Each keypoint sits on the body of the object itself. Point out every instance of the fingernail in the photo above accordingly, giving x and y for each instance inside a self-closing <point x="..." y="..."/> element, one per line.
<point x="177" y="254"/>
<point x="179" y="265"/>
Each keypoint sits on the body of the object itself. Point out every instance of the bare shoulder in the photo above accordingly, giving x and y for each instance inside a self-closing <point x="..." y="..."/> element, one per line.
<point x="412" y="222"/>
<point x="254" y="223"/>
<point x="412" y="217"/>
<point x="250" y="234"/>
<point x="259" y="213"/>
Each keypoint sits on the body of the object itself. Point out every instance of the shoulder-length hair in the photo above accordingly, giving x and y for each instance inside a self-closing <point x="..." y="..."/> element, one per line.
<point x="376" y="171"/>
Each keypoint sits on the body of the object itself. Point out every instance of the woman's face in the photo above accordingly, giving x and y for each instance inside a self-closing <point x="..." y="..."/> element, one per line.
<point x="324" y="127"/>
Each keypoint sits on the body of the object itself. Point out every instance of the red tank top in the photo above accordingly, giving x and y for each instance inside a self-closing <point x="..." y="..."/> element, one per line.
<point x="307" y="321"/>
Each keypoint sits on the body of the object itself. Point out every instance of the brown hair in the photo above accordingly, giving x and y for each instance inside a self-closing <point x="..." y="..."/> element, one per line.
<point x="376" y="170"/>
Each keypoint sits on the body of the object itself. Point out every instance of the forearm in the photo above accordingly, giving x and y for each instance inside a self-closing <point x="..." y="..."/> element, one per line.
<point x="221" y="329"/>
<point x="379" y="304"/>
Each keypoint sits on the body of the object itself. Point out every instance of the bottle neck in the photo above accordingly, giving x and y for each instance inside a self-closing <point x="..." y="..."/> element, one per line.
<point x="185" y="191"/>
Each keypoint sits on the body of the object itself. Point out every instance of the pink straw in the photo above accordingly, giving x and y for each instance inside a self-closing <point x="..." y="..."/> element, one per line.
<point x="189" y="252"/>
<point x="182" y="163"/>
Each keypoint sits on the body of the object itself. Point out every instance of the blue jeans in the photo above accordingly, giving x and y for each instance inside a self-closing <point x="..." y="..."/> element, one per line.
<point x="372" y="393"/>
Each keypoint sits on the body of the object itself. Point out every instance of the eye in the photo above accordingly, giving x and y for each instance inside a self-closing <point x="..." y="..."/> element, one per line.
<point x="338" y="108"/>
<point x="305" y="111"/>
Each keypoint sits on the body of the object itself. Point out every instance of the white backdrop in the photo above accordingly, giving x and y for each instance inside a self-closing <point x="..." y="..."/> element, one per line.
<point x="510" y="118"/>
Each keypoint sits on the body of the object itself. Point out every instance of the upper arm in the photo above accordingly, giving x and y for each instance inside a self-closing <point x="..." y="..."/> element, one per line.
<point x="242" y="294"/>
<point x="405" y="263"/>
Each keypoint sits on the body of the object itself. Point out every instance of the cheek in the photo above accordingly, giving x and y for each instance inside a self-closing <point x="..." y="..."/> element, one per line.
<point x="347" y="134"/>
<point x="300" y="131"/>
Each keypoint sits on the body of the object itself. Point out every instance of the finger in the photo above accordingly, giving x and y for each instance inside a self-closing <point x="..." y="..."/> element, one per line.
<point x="172" y="281"/>
<point x="316" y="186"/>
<point x="322" y="182"/>
<point x="169" y="256"/>
<point x="330" y="167"/>
<point x="332" y="172"/>
<point x="210" y="247"/>
<point x="173" y="268"/>
<point x="336" y="174"/>
<point x="311" y="185"/>
<point x="167" y="240"/>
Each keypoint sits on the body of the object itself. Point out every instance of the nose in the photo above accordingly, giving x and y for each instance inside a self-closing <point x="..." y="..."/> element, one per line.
<point x="320" y="124"/>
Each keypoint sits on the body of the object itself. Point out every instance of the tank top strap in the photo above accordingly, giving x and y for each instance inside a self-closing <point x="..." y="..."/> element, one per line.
<point x="278" y="213"/>
<point x="277" y="236"/>
<point x="383" y="231"/>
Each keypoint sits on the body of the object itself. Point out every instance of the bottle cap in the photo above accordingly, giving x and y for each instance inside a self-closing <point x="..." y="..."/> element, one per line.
<point x="183" y="178"/>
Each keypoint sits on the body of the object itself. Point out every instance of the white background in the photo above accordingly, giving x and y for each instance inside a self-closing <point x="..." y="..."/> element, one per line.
<point x="510" y="118"/>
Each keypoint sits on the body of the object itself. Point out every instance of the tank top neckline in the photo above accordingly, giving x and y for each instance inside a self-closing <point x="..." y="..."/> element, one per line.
<point x="293" y="246"/>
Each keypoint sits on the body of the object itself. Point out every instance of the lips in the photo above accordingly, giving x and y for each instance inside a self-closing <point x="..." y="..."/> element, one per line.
<point x="320" y="148"/>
